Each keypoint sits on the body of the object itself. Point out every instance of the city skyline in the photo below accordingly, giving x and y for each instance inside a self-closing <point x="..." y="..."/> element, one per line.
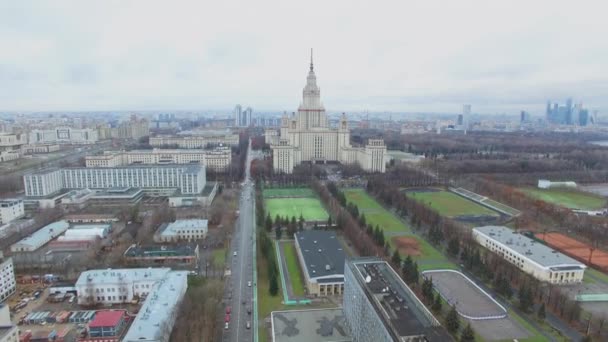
<point x="408" y="57"/>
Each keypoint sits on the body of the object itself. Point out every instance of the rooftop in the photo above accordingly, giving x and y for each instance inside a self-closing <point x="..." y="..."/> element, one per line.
<point x="322" y="253"/>
<point x="107" y="318"/>
<point x="91" y="226"/>
<point x="323" y="325"/>
<point x="185" y="167"/>
<point x="397" y="306"/>
<point x="149" y="325"/>
<point x="121" y="275"/>
<point x="118" y="193"/>
<point x="161" y="251"/>
<point x="76" y="217"/>
<point x="173" y="228"/>
<point x="530" y="248"/>
<point x="45" y="234"/>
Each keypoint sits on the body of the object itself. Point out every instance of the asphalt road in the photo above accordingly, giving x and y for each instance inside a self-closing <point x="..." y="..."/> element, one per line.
<point x="239" y="285"/>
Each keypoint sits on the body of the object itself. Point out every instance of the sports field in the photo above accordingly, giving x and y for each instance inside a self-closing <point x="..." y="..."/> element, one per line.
<point x="450" y="205"/>
<point x="310" y="208"/>
<point x="568" y="198"/>
<point x="288" y="192"/>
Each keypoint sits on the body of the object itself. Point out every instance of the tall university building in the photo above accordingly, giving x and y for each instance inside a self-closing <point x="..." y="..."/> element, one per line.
<point x="307" y="137"/>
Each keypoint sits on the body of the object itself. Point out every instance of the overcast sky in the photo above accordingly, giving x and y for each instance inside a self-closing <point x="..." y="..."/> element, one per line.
<point x="401" y="56"/>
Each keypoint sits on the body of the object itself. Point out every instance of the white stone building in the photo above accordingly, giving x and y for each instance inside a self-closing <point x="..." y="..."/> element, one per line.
<point x="10" y="209"/>
<point x="307" y="137"/>
<point x="188" y="230"/>
<point x="7" y="278"/>
<point x="532" y="257"/>
<point x="217" y="159"/>
<point x="63" y="135"/>
<point x="188" y="179"/>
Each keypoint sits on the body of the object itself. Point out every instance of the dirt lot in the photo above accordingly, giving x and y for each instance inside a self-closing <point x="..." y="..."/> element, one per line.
<point x="407" y="245"/>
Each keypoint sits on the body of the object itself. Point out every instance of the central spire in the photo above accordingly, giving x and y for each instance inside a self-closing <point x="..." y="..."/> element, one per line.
<point x="311" y="66"/>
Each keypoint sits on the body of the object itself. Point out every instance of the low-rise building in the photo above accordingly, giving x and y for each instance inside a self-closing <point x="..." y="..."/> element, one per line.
<point x="10" y="209"/>
<point x="40" y="148"/>
<point x="322" y="260"/>
<point x="196" y="139"/>
<point x="40" y="237"/>
<point x="107" y="326"/>
<point x="529" y="255"/>
<point x="63" y="135"/>
<point x="7" y="278"/>
<point x="182" y="230"/>
<point x="100" y="230"/>
<point x="162" y="288"/>
<point x="91" y="218"/>
<point x="217" y="159"/>
<point x="182" y="254"/>
<point x="379" y="306"/>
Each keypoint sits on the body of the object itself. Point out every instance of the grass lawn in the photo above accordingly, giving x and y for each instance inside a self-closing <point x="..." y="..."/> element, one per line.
<point x="266" y="302"/>
<point x="289" y="192"/>
<point x="295" y="275"/>
<point x="449" y="204"/>
<point x="219" y="257"/>
<point x="603" y="277"/>
<point x="568" y="198"/>
<point x="310" y="208"/>
<point x="375" y="213"/>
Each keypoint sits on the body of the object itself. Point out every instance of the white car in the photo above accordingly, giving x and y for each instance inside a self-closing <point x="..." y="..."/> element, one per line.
<point x="227" y="325"/>
<point x="234" y="253"/>
<point x="249" y="283"/>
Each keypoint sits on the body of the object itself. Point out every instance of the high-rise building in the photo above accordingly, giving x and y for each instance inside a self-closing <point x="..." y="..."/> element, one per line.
<point x="379" y="306"/>
<point x="308" y="137"/>
<point x="524" y="117"/>
<point x="238" y="111"/>
<point x="460" y="120"/>
<point x="568" y="114"/>
<point x="7" y="280"/>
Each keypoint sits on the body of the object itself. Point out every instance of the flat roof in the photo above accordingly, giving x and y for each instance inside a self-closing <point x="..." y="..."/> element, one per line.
<point x="161" y="251"/>
<point x="90" y="216"/>
<point x="91" y="226"/>
<point x="323" y="325"/>
<point x="107" y="318"/>
<point x="173" y="228"/>
<point x="45" y="234"/>
<point x="397" y="306"/>
<point x="188" y="167"/>
<point x="121" y="275"/>
<point x="527" y="247"/>
<point x="159" y="307"/>
<point x="322" y="252"/>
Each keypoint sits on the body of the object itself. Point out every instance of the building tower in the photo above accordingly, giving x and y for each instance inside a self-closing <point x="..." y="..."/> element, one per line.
<point x="238" y="111"/>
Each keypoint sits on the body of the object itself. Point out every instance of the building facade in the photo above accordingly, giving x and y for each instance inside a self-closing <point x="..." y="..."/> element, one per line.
<point x="7" y="278"/>
<point x="188" y="179"/>
<point x="217" y="159"/>
<point x="196" y="139"/>
<point x="10" y="209"/>
<point x="532" y="257"/>
<point x="307" y="137"/>
<point x="63" y="135"/>
<point x="8" y="331"/>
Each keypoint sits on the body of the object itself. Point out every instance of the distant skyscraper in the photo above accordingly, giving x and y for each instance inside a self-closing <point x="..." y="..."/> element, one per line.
<point x="524" y="117"/>
<point x="567" y="115"/>
<point x="238" y="111"/>
<point x="248" y="113"/>
<point x="460" y="120"/>
<point x="466" y="113"/>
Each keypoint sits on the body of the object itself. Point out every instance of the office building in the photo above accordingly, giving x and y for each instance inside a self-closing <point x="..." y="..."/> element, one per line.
<point x="308" y="137"/>
<point x="532" y="257"/>
<point x="217" y="159"/>
<point x="135" y="128"/>
<point x="40" y="148"/>
<point x="63" y="135"/>
<point x="160" y="179"/>
<point x="524" y="117"/>
<point x="182" y="230"/>
<point x="10" y="209"/>
<point x="196" y="139"/>
<point x="380" y="307"/>
<point x="10" y="146"/>
<point x="569" y="114"/>
<point x="7" y="278"/>
<point x="8" y="331"/>
<point x="40" y="237"/>
<point x="322" y="260"/>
